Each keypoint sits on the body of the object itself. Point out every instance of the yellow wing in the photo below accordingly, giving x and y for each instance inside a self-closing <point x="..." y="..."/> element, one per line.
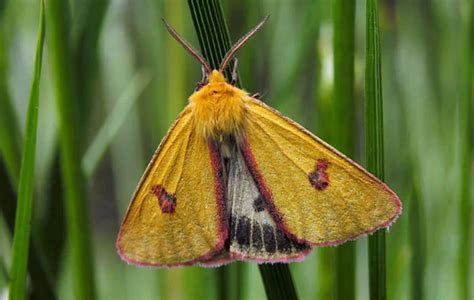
<point x="176" y="216"/>
<point x="314" y="193"/>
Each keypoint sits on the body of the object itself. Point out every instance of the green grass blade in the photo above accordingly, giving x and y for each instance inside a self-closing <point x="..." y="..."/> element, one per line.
<point x="10" y="149"/>
<point x="214" y="39"/>
<point x="343" y="95"/>
<point x="40" y="278"/>
<point x="21" y="238"/>
<point x="78" y="224"/>
<point x="374" y="141"/>
<point x="343" y="109"/>
<point x="324" y="95"/>
<point x="417" y="241"/>
<point x="277" y="281"/>
<point x="3" y="273"/>
<point x="466" y="126"/>
<point x="10" y="135"/>
<point x="89" y="16"/>
<point x="212" y="31"/>
<point x="113" y="122"/>
<point x="52" y="234"/>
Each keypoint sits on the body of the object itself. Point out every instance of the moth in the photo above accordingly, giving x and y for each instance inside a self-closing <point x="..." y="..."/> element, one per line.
<point x="233" y="179"/>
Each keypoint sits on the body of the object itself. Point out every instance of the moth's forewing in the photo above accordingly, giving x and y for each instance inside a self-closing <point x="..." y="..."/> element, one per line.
<point x="176" y="216"/>
<point x="314" y="193"/>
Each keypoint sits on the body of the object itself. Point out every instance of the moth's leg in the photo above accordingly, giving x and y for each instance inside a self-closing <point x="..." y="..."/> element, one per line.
<point x="234" y="72"/>
<point x="256" y="96"/>
<point x="203" y="81"/>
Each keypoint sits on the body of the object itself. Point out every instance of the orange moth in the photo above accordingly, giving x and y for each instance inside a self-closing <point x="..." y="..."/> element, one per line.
<point x="234" y="179"/>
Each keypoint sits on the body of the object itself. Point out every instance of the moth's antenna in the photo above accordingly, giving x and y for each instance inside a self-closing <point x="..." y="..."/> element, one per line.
<point x="187" y="46"/>
<point x="239" y="44"/>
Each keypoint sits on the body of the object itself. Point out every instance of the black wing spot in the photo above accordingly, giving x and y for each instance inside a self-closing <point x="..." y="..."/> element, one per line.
<point x="269" y="239"/>
<point x="257" y="237"/>
<point x="259" y="204"/>
<point x="283" y="242"/>
<point x="243" y="232"/>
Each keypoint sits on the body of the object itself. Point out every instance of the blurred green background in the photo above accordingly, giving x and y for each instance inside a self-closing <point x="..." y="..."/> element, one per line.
<point x="130" y="77"/>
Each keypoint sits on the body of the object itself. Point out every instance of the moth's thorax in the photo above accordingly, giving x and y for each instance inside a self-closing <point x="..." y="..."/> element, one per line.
<point x="218" y="108"/>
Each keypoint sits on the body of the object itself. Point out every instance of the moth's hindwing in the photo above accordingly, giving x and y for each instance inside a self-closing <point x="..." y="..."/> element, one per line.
<point x="253" y="234"/>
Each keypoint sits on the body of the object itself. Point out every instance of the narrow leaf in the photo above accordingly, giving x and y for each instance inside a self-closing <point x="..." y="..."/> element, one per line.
<point x="21" y="238"/>
<point x="113" y="122"/>
<point x="78" y="224"/>
<point x="214" y="39"/>
<point x="343" y="135"/>
<point x="374" y="141"/>
<point x="417" y="241"/>
<point x="10" y="135"/>
<point x="466" y="128"/>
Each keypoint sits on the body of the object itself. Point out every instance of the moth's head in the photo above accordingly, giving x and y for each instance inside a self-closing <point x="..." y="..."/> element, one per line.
<point x="216" y="88"/>
<point x="213" y="75"/>
<point x="216" y="76"/>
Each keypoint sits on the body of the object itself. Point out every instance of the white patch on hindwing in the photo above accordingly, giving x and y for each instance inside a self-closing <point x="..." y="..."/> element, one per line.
<point x="253" y="234"/>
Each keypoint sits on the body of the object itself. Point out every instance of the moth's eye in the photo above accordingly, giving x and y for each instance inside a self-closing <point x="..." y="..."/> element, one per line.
<point x="214" y="92"/>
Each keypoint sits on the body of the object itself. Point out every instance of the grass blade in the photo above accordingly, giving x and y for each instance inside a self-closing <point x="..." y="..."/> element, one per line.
<point x="21" y="238"/>
<point x="374" y="141"/>
<point x="343" y="137"/>
<point x="277" y="281"/>
<point x="84" y="38"/>
<point x="417" y="241"/>
<point x="115" y="119"/>
<point x="10" y="135"/>
<point x="465" y="224"/>
<point x="10" y="149"/>
<point x="78" y="225"/>
<point x="42" y="287"/>
<point x="324" y="86"/>
<point x="214" y="39"/>
<point x="212" y="31"/>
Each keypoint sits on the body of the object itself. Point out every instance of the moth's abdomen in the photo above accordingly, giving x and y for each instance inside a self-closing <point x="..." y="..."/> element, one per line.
<point x="218" y="109"/>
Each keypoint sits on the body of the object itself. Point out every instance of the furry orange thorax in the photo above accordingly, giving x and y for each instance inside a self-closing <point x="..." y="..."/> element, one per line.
<point x="218" y="108"/>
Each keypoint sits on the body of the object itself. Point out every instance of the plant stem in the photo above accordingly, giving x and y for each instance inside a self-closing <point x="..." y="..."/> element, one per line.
<point x="417" y="241"/>
<point x="342" y="137"/>
<point x="115" y="119"/>
<point x="10" y="135"/>
<point x="84" y="40"/>
<point x="278" y="281"/>
<point x="343" y="97"/>
<point x="465" y="224"/>
<point x="212" y="32"/>
<point x="326" y="274"/>
<point x="42" y="287"/>
<point x="78" y="225"/>
<point x="374" y="141"/>
<point x="214" y="40"/>
<point x="10" y="149"/>
<point x="21" y="238"/>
